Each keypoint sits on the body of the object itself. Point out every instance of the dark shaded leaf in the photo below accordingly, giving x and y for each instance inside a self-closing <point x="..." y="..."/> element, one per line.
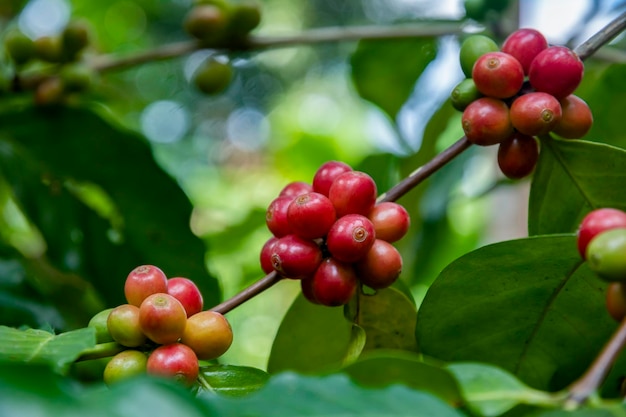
<point x="234" y="381"/>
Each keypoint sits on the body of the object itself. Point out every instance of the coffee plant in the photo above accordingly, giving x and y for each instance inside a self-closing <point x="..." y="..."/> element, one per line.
<point x="175" y="174"/>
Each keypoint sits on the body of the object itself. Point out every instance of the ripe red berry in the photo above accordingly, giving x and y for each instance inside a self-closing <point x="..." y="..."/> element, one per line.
<point x="311" y="215"/>
<point x="616" y="300"/>
<point x="596" y="222"/>
<point x="498" y="75"/>
<point x="295" y="257"/>
<point x="306" y="285"/>
<point x="535" y="113"/>
<point x="556" y="70"/>
<point x="143" y="281"/>
<point x="350" y="238"/>
<point x="162" y="318"/>
<point x="276" y="216"/>
<point x="486" y="121"/>
<point x="187" y="292"/>
<point x="334" y="283"/>
<point x="517" y="155"/>
<point x="391" y="221"/>
<point x="525" y="44"/>
<point x="381" y="266"/>
<point x="576" y="118"/>
<point x="353" y="192"/>
<point x="326" y="174"/>
<point x="295" y="188"/>
<point x="266" y="255"/>
<point x="174" y="361"/>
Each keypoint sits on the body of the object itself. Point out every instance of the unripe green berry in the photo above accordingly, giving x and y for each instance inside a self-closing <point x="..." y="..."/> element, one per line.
<point x="606" y="255"/>
<point x="76" y="77"/>
<point x="245" y="16"/>
<point x="213" y="76"/>
<point x="19" y="46"/>
<point x="125" y="365"/>
<point x="48" y="48"/>
<point x="464" y="93"/>
<point x="206" y="22"/>
<point x="74" y="38"/>
<point x="99" y="323"/>
<point x="472" y="48"/>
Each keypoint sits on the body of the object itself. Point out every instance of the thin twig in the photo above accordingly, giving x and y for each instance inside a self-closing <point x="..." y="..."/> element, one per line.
<point x="252" y="291"/>
<point x="602" y="37"/>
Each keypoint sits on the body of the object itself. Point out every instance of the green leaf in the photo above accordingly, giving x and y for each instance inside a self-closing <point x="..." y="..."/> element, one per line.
<point x="233" y="380"/>
<point x="529" y="306"/>
<point x="573" y="178"/>
<point x="311" y="338"/>
<point x="377" y="369"/>
<point x="389" y="86"/>
<point x="491" y="391"/>
<point x="388" y="318"/>
<point x="42" y="347"/>
<point x="583" y="412"/>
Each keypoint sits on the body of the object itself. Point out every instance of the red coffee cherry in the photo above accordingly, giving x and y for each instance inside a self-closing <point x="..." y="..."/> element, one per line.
<point x="557" y="70"/>
<point x="596" y="222"/>
<point x="326" y="174"/>
<point x="518" y="155"/>
<point x="350" y="238"/>
<point x="486" y="121"/>
<point x="295" y="257"/>
<point x="353" y="192"/>
<point x="143" y="281"/>
<point x="616" y="300"/>
<point x="535" y="113"/>
<point x="208" y="334"/>
<point x="123" y="326"/>
<point x="391" y="221"/>
<point x="334" y="283"/>
<point x="187" y="292"/>
<point x="306" y="285"/>
<point x="174" y="361"/>
<point x="381" y="266"/>
<point x="162" y="318"/>
<point x="276" y="216"/>
<point x="266" y="255"/>
<point x="525" y="44"/>
<point x="576" y="118"/>
<point x="498" y="75"/>
<point x="295" y="188"/>
<point x="311" y="215"/>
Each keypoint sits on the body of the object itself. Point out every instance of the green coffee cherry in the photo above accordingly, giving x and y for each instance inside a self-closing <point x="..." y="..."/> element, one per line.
<point x="74" y="38"/>
<point x="245" y="16"/>
<point x="464" y="93"/>
<point x="99" y="323"/>
<point x="213" y="76"/>
<point x="20" y="47"/>
<point x="76" y="77"/>
<point x="472" y="48"/>
<point x="606" y="255"/>
<point x="124" y="365"/>
<point x="48" y="48"/>
<point x="206" y="22"/>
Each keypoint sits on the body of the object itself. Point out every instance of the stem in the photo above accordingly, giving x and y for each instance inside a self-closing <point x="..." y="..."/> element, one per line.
<point x="252" y="291"/>
<point x="101" y="350"/>
<point x="602" y="37"/>
<point x="586" y="385"/>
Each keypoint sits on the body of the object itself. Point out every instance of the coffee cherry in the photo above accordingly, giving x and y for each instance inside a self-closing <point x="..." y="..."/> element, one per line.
<point x="295" y="257"/>
<point x="20" y="47"/>
<point x="187" y="292"/>
<point x="498" y="75"/>
<point x="518" y="155"/>
<point x="576" y="118"/>
<point x="306" y="286"/>
<point x="266" y="255"/>
<point x="464" y="93"/>
<point x="616" y="300"/>
<point x="381" y="266"/>
<point x="162" y="318"/>
<point x="99" y="323"/>
<point x="350" y="238"/>
<point x="557" y="70"/>
<point x="606" y="255"/>
<point x="486" y="121"/>
<point x="472" y="48"/>
<point x="143" y="281"/>
<point x="123" y="326"/>
<point x="48" y="48"/>
<point x="311" y="215"/>
<point x="208" y="334"/>
<point x="174" y="361"/>
<point x="49" y="92"/>
<point x="334" y="283"/>
<point x="124" y="365"/>
<point x="391" y="221"/>
<point x="353" y="192"/>
<point x="206" y="22"/>
<point x="535" y="113"/>
<point x="596" y="222"/>
<point x="295" y="189"/>
<point x="76" y="77"/>
<point x="74" y="38"/>
<point x="276" y="216"/>
<point x="525" y="44"/>
<point x="244" y="17"/>
<point x="213" y="76"/>
<point x="326" y="174"/>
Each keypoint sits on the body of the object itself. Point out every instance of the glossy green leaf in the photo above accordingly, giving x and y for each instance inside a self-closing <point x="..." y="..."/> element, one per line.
<point x="311" y="338"/>
<point x="573" y="178"/>
<point x="529" y="306"/>
<point x="233" y="380"/>
<point x="583" y="412"/>
<point x="387" y="317"/>
<point x="491" y="391"/>
<point x="42" y="347"/>
<point x="389" y="86"/>
<point x="382" y="368"/>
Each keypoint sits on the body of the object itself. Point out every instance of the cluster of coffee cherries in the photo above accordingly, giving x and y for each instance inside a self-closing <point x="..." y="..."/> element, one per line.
<point x="333" y="235"/>
<point x="219" y="24"/>
<point x="163" y="327"/>
<point x="63" y="51"/>
<point x="602" y="243"/>
<point x="515" y="93"/>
